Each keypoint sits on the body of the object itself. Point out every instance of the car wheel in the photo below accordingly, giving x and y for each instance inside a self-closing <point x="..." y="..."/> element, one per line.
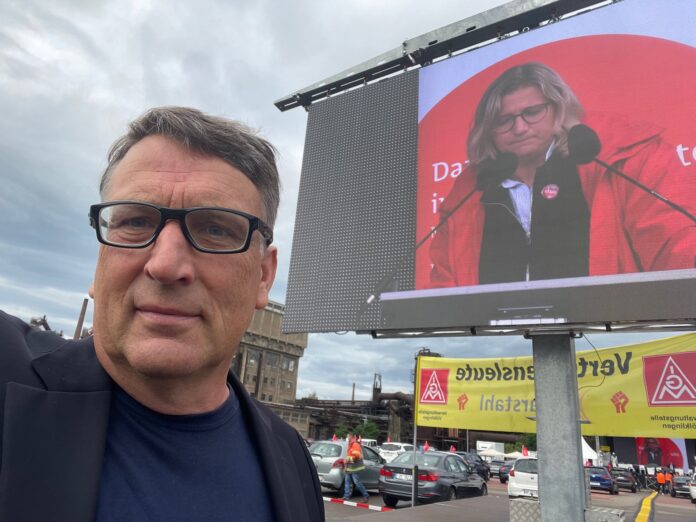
<point x="452" y="494"/>
<point x="633" y="489"/>
<point x="673" y="494"/>
<point x="503" y="481"/>
<point x="616" y="491"/>
<point x="484" y="490"/>
<point x="389" y="501"/>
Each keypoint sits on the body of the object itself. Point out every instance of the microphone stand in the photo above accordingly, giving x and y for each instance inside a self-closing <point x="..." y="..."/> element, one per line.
<point x="387" y="279"/>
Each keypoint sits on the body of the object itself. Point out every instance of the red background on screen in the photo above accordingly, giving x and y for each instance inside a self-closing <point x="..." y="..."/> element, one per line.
<point x="642" y="78"/>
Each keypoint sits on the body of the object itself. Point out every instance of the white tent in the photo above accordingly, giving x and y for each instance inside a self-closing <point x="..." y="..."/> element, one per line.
<point x="490" y="452"/>
<point x="587" y="452"/>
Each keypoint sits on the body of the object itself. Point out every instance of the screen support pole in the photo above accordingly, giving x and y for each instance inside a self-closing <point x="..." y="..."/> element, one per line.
<point x="561" y="474"/>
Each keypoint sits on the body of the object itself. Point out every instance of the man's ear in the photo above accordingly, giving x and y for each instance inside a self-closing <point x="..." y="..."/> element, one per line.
<point x="269" y="265"/>
<point x="90" y="292"/>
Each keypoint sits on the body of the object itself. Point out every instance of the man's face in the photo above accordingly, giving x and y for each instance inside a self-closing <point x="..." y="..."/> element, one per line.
<point x="168" y="311"/>
<point x="528" y="141"/>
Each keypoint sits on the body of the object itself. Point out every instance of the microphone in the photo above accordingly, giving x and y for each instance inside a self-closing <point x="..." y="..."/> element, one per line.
<point x="494" y="170"/>
<point x="584" y="146"/>
<point x="489" y="174"/>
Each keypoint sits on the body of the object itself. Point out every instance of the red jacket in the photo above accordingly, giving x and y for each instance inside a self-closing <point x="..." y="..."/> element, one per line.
<point x="630" y="230"/>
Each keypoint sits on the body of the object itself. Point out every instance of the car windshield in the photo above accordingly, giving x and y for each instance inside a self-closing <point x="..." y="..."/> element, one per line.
<point x="422" y="460"/>
<point x="396" y="447"/>
<point x="597" y="471"/>
<point x="681" y="480"/>
<point x="526" y="466"/>
<point x="325" y="449"/>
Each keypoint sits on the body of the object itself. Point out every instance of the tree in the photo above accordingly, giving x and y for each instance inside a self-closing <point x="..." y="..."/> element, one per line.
<point x="367" y="430"/>
<point x="341" y="431"/>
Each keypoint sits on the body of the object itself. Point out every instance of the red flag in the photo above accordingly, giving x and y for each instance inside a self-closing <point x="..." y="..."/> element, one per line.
<point x="334" y="438"/>
<point x="453" y="449"/>
<point x="426" y="446"/>
<point x="525" y="451"/>
<point x="388" y="439"/>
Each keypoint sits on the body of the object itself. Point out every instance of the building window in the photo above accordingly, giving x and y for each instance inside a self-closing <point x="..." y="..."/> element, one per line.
<point x="291" y="365"/>
<point x="272" y="360"/>
<point x="265" y="380"/>
<point x="272" y="381"/>
<point x="270" y="398"/>
<point x="263" y="396"/>
<point x="253" y="378"/>
<point x="253" y="357"/>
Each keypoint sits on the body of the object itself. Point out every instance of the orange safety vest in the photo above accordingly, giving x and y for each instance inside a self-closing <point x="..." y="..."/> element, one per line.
<point x="660" y="478"/>
<point x="668" y="477"/>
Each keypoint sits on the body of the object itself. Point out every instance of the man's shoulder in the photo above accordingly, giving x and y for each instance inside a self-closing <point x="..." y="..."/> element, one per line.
<point x="17" y="335"/>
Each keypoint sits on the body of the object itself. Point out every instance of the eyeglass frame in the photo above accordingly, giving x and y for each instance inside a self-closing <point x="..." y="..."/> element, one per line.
<point x="513" y="117"/>
<point x="179" y="214"/>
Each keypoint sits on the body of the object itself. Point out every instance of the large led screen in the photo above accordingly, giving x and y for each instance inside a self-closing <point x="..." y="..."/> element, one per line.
<point x="555" y="183"/>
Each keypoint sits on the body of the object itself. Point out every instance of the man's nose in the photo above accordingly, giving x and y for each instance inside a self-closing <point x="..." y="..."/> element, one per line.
<point x="171" y="257"/>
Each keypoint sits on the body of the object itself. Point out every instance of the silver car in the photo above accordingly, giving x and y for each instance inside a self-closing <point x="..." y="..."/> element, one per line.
<point x="330" y="457"/>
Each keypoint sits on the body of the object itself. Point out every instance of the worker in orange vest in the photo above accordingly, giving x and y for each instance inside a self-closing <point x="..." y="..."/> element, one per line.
<point x="660" y="482"/>
<point x="354" y="465"/>
<point x="668" y="481"/>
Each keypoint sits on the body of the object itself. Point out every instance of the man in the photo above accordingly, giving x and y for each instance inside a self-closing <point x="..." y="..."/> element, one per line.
<point x="549" y="217"/>
<point x="354" y="465"/>
<point x="661" y="481"/>
<point x="144" y="421"/>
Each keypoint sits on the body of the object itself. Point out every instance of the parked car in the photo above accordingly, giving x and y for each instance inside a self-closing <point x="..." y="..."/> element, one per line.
<point x="476" y="462"/>
<point x="370" y="443"/>
<point x="329" y="458"/>
<point x="523" y="478"/>
<point x="680" y="486"/>
<point x="390" y="450"/>
<point x="494" y="466"/>
<point x="692" y="489"/>
<point x="626" y="478"/>
<point x="504" y="471"/>
<point x="601" y="479"/>
<point x="441" y="476"/>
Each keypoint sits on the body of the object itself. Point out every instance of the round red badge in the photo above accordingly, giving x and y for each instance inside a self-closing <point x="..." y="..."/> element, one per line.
<point x="549" y="191"/>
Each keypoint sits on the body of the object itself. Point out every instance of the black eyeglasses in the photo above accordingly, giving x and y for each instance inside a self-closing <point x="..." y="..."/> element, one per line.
<point x="531" y="115"/>
<point x="130" y="224"/>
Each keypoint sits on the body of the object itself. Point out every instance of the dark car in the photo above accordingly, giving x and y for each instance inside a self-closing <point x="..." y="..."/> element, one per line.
<point x="494" y="466"/>
<point x="504" y="471"/>
<point x="441" y="476"/>
<point x="476" y="462"/>
<point x="680" y="486"/>
<point x="626" y="478"/>
<point x="601" y="479"/>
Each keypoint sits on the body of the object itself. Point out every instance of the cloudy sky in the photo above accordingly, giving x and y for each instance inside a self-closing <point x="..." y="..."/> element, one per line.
<point x="74" y="72"/>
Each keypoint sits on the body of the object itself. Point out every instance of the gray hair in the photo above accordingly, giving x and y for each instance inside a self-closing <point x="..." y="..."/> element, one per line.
<point x="567" y="107"/>
<point x="229" y="140"/>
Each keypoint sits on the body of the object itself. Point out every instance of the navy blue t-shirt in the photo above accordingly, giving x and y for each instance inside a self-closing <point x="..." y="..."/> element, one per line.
<point x="180" y="467"/>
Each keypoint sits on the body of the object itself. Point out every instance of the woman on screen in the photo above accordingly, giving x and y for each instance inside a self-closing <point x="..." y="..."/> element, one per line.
<point x="543" y="215"/>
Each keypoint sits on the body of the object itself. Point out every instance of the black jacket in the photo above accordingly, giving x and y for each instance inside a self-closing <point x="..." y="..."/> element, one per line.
<point x="54" y="412"/>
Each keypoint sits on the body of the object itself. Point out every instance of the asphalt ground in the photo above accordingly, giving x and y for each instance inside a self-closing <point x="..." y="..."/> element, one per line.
<point x="495" y="507"/>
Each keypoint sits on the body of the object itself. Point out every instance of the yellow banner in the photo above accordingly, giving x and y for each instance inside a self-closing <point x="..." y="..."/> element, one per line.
<point x="641" y="390"/>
